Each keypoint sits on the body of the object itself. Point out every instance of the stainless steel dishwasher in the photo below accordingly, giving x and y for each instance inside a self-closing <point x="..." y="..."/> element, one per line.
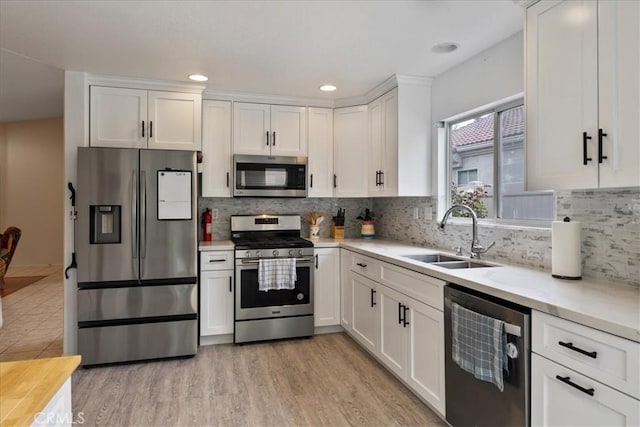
<point x="471" y="402"/>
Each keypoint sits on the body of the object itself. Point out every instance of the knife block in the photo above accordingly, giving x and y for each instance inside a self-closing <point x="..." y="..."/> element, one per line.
<point x="337" y="231"/>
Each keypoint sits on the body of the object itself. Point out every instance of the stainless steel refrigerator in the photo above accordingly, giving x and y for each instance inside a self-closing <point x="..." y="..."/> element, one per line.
<point x="137" y="254"/>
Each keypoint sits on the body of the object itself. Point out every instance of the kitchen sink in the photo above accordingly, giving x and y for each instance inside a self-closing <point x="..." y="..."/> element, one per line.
<point x="446" y="261"/>
<point x="431" y="258"/>
<point x="461" y="264"/>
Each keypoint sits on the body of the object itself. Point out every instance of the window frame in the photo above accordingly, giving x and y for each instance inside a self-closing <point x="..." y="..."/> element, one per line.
<point x="496" y="108"/>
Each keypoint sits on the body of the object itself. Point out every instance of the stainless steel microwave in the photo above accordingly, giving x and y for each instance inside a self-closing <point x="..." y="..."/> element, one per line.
<point x="269" y="176"/>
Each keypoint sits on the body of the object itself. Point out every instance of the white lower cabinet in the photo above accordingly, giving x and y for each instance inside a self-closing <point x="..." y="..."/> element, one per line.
<point x="365" y="324"/>
<point x="582" y="376"/>
<point x="563" y="397"/>
<point x="425" y="353"/>
<point x="404" y="333"/>
<point x="216" y="292"/>
<point x="326" y="297"/>
<point x="346" y="290"/>
<point x="412" y="344"/>
<point x="216" y="302"/>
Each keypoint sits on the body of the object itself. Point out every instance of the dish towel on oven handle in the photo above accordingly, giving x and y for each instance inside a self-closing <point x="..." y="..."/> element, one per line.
<point x="277" y="274"/>
<point x="478" y="344"/>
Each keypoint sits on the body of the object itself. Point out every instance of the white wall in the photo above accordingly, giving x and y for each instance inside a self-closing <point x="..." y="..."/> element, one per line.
<point x="31" y="191"/>
<point x="76" y="134"/>
<point x="491" y="75"/>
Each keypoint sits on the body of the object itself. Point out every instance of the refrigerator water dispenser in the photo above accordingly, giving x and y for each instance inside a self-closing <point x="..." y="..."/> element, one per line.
<point x="105" y="223"/>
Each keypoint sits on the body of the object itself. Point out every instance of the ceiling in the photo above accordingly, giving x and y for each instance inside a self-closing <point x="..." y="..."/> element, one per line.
<point x="285" y="48"/>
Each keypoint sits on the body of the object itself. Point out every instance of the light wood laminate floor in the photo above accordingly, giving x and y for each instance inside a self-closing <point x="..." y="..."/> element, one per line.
<point x="324" y="381"/>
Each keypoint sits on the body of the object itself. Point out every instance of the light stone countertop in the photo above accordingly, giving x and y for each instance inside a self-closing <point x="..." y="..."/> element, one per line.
<point x="612" y="308"/>
<point x="216" y="245"/>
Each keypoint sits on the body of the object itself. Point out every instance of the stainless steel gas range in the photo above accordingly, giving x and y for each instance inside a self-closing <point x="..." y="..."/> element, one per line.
<point x="283" y="313"/>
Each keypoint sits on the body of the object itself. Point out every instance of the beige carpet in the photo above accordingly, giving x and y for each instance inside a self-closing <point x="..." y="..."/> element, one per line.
<point x="12" y="284"/>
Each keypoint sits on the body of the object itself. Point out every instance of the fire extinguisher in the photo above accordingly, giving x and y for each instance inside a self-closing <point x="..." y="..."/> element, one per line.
<point x="207" y="219"/>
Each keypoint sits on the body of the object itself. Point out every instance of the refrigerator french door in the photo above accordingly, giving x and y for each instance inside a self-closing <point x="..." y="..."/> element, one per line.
<point x="137" y="254"/>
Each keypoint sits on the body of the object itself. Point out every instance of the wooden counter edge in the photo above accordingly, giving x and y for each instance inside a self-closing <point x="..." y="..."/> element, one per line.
<point x="40" y="379"/>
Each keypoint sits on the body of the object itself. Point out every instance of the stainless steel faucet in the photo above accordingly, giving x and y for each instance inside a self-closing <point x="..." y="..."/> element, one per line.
<point x="476" y="247"/>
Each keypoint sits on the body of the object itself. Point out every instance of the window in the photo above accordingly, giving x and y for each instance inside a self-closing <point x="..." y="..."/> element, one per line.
<point x="486" y="167"/>
<point x="466" y="176"/>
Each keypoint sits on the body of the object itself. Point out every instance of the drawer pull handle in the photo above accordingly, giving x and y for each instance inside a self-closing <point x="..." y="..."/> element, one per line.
<point x="361" y="265"/>
<point x="567" y="380"/>
<point x="217" y="260"/>
<point x="570" y="346"/>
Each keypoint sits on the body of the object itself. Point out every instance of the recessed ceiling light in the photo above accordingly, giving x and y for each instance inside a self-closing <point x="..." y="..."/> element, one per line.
<point x="198" y="77"/>
<point x="327" y="88"/>
<point x="445" y="47"/>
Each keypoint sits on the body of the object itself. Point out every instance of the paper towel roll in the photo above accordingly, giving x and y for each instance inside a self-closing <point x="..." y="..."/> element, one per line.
<point x="566" y="258"/>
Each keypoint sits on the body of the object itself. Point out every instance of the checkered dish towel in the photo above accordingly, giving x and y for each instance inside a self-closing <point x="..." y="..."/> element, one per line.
<point x="478" y="344"/>
<point x="276" y="274"/>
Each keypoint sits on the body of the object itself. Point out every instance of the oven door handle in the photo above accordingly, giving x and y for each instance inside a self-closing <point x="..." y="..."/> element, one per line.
<point x="251" y="261"/>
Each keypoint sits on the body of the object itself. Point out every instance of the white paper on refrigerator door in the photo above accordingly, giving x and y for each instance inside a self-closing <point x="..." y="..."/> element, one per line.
<point x="174" y="195"/>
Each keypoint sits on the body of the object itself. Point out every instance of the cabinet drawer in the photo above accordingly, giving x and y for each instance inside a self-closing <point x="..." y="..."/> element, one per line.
<point x="216" y="260"/>
<point x="366" y="266"/>
<point x="423" y="288"/>
<point x="611" y="360"/>
<point x="563" y="397"/>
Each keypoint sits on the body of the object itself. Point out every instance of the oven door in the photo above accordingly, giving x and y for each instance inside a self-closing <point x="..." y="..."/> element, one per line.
<point x="269" y="176"/>
<point x="252" y="303"/>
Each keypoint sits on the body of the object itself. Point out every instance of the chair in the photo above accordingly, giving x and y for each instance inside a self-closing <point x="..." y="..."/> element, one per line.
<point x="8" y="242"/>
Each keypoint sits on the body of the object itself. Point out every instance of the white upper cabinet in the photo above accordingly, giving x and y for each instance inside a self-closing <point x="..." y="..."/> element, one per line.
<point x="288" y="130"/>
<point x="118" y="117"/>
<point x="320" y="161"/>
<point x="174" y="120"/>
<point x="582" y="81"/>
<point x="134" y="118"/>
<point x="619" y="92"/>
<point x="399" y="140"/>
<point x="251" y="128"/>
<point x="350" y="151"/>
<point x="216" y="149"/>
<point x="276" y="130"/>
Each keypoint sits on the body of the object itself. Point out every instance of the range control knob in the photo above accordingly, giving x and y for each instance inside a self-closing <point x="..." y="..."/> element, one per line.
<point x="300" y="252"/>
<point x="248" y="254"/>
<point x="258" y="255"/>
<point x="290" y="252"/>
<point x="275" y="253"/>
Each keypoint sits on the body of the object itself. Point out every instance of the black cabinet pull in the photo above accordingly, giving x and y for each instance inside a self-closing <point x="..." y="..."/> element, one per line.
<point x="216" y="260"/>
<point x="227" y="179"/>
<point x="399" y="313"/>
<point x="567" y="380"/>
<point x="311" y="181"/>
<point x="570" y="346"/>
<point x="601" y="135"/>
<point x="143" y="128"/>
<point x="359" y="264"/>
<point x="273" y="141"/>
<point x="373" y="294"/>
<point x="335" y="181"/>
<point x="150" y="129"/>
<point x="230" y="284"/>
<point x="377" y="178"/>
<point x="404" y="318"/>
<point x="267" y="138"/>
<point x="316" y="261"/>
<point x="381" y="177"/>
<point x="585" y="159"/>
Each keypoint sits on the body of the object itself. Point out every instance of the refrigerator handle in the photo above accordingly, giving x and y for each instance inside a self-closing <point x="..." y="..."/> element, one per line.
<point x="143" y="218"/>
<point x="134" y="220"/>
